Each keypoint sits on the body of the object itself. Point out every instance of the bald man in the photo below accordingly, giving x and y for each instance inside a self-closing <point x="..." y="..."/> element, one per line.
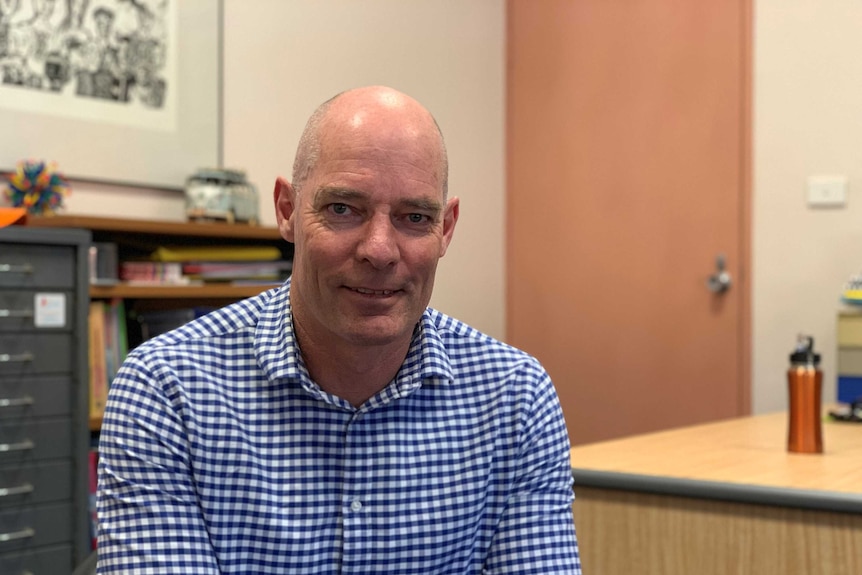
<point x="337" y="424"/>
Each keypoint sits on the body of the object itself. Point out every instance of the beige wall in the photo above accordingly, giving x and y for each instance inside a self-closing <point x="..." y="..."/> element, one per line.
<point x="807" y="121"/>
<point x="281" y="58"/>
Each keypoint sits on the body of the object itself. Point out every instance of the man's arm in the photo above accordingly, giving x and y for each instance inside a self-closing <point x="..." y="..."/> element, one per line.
<point x="536" y="534"/>
<point x="149" y="518"/>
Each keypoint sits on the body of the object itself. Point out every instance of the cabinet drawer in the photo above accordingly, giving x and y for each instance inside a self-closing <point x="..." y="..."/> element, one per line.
<point x="32" y="484"/>
<point x="29" y="310"/>
<point x="35" y="396"/>
<point x="35" y="353"/>
<point x="26" y="528"/>
<point x="35" y="265"/>
<point x="24" y="441"/>
<point x="51" y="561"/>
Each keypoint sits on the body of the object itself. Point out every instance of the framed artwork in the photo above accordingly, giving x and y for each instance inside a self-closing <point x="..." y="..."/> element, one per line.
<point x="124" y="91"/>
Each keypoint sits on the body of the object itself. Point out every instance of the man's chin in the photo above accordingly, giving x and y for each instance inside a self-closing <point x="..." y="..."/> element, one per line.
<point x="380" y="333"/>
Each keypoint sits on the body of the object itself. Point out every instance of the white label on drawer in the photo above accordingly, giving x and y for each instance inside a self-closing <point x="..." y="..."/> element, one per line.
<point x="50" y="310"/>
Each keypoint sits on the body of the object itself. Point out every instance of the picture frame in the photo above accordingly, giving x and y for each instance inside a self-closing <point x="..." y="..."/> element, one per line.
<point x="109" y="136"/>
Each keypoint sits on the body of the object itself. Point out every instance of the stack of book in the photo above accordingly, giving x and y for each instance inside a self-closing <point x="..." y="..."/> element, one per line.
<point x="187" y="265"/>
<point x="136" y="272"/>
<point x="108" y="347"/>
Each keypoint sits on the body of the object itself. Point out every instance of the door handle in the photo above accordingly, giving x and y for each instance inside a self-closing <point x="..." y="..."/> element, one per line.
<point x="720" y="281"/>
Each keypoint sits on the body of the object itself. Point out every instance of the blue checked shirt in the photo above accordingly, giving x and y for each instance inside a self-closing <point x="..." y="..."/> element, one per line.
<point x="219" y="455"/>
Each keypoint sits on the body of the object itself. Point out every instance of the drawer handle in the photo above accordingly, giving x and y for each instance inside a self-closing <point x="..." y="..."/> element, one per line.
<point x="16" y="358"/>
<point x="17" y="490"/>
<point x="16" y="268"/>
<point x="20" y="446"/>
<point x="16" y="401"/>
<point x="16" y="313"/>
<point x="25" y="533"/>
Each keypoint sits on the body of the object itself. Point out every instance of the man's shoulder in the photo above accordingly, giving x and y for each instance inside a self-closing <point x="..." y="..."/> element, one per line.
<point x="482" y="366"/>
<point x="459" y="337"/>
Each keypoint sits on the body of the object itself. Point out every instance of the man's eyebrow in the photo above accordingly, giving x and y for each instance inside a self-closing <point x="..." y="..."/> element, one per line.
<point x="422" y="204"/>
<point x="334" y="194"/>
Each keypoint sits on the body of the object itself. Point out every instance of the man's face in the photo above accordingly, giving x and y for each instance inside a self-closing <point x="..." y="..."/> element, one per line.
<point x="369" y="226"/>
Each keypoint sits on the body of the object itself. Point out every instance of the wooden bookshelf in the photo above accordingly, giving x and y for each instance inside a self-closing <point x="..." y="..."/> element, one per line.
<point x="136" y="239"/>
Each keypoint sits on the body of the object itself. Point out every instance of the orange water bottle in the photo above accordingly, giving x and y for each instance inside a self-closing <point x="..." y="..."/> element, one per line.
<point x="805" y="382"/>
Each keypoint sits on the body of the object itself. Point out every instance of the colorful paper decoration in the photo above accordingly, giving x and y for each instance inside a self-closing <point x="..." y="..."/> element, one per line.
<point x="37" y="187"/>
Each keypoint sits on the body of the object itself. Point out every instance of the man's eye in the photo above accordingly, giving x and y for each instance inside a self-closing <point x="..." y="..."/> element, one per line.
<point x="418" y="218"/>
<point x="339" y="209"/>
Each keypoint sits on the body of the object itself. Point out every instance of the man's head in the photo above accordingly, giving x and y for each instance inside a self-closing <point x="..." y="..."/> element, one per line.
<point x="308" y="150"/>
<point x="369" y="215"/>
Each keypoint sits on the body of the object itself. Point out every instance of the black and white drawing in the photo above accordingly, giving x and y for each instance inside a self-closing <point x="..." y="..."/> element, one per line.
<point x="120" y="91"/>
<point x="100" y="50"/>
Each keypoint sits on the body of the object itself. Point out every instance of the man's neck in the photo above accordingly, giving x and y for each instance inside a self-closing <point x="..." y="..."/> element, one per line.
<point x="352" y="373"/>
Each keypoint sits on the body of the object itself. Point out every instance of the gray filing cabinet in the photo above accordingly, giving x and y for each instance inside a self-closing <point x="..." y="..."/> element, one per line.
<point x="44" y="436"/>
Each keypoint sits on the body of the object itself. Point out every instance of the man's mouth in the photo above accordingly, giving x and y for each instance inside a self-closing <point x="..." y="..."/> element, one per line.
<point x="374" y="292"/>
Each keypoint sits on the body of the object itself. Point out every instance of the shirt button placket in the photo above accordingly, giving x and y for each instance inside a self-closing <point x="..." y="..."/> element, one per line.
<point x="357" y="536"/>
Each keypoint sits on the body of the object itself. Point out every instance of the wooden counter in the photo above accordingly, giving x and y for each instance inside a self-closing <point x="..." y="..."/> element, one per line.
<point x="720" y="498"/>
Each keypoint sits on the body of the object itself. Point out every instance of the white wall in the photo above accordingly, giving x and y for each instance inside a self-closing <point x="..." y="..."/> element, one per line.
<point x="282" y="59"/>
<point x="807" y="121"/>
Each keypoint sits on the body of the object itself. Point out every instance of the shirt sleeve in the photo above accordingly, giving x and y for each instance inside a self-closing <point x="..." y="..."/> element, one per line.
<point x="149" y="519"/>
<point x="536" y="534"/>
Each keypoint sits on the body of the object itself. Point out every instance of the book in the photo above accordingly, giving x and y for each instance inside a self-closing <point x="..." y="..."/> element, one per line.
<point x="215" y="253"/>
<point x="97" y="360"/>
<point x="225" y="271"/>
<point x="116" y="337"/>
<point x="110" y="343"/>
<point x="93" y="484"/>
<point x="154" y="272"/>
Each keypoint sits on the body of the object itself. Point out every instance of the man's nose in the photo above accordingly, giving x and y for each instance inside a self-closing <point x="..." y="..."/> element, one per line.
<point x="379" y="242"/>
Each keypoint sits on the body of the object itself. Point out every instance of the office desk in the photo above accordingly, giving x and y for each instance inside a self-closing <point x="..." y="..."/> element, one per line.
<point x="721" y="498"/>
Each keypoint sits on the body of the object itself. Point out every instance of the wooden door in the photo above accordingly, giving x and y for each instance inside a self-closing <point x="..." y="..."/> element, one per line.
<point x="628" y="174"/>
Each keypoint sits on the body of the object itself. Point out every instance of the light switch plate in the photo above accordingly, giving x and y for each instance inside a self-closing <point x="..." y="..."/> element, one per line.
<point x="827" y="191"/>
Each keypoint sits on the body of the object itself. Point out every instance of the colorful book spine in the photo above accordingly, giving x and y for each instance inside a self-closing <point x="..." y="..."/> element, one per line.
<point x="215" y="253"/>
<point x="93" y="467"/>
<point x="155" y="272"/>
<point x="97" y="360"/>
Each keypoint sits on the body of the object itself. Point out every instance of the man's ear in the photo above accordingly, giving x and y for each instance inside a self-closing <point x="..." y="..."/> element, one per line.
<point x="285" y="207"/>
<point x="450" y="218"/>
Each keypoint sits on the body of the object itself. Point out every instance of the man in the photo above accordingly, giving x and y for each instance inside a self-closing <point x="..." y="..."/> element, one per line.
<point x="337" y="424"/>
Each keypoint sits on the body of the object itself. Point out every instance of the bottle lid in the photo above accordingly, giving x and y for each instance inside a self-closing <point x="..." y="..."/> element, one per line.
<point x="804" y="352"/>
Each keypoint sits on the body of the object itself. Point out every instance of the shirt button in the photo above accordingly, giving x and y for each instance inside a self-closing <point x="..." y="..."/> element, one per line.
<point x="356" y="506"/>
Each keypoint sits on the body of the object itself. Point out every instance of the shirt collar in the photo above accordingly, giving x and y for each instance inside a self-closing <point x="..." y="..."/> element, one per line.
<point x="279" y="356"/>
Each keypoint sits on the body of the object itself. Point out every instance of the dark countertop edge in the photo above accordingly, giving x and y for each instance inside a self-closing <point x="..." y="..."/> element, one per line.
<point x="738" y="492"/>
